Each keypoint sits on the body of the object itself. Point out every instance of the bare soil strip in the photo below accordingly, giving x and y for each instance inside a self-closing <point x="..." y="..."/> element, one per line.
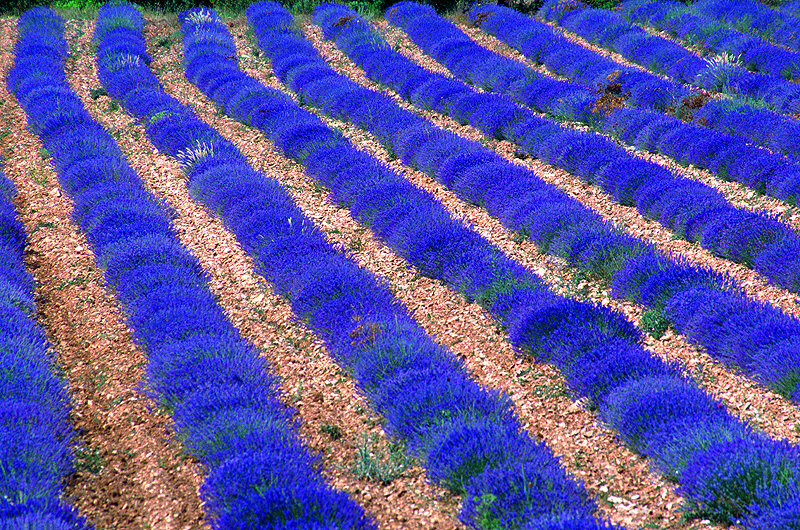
<point x="131" y="472"/>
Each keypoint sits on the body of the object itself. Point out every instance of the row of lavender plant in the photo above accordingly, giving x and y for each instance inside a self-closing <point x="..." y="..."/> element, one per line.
<point x="689" y="208"/>
<point x="225" y="400"/>
<point x="653" y="407"/>
<point x="755" y="18"/>
<point x="720" y="74"/>
<point x="761" y="70"/>
<point x="556" y="222"/>
<point x="542" y="44"/>
<point x="724" y="74"/>
<point x="728" y="156"/>
<point x="467" y="437"/>
<point x="587" y="69"/>
<point x="754" y="53"/>
<point x="35" y="434"/>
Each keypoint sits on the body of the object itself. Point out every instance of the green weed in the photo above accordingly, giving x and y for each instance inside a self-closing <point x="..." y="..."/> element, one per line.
<point x="377" y="465"/>
<point x="654" y="323"/>
<point x="90" y="460"/>
<point x="332" y="430"/>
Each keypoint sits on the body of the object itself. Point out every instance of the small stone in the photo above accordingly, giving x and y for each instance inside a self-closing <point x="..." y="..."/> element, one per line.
<point x="55" y="192"/>
<point x="613" y="499"/>
<point x="258" y="298"/>
<point x="574" y="407"/>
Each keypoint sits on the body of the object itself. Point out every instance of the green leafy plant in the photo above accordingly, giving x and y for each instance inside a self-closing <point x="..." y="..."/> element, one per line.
<point x="654" y="323"/>
<point x="379" y="465"/>
<point x="487" y="519"/>
<point x="77" y="4"/>
<point x="97" y="92"/>
<point x="332" y="430"/>
<point x="159" y="116"/>
<point x="90" y="460"/>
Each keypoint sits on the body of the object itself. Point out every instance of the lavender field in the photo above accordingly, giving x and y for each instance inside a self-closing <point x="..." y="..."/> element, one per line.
<point x="490" y="270"/>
